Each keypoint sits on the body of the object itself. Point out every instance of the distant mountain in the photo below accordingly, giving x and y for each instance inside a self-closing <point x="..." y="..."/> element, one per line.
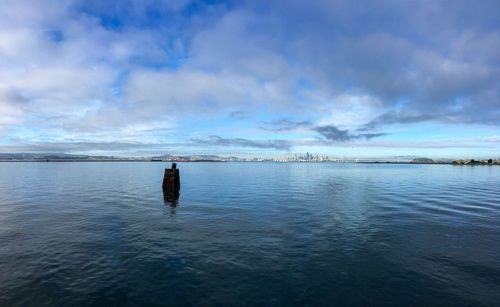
<point x="188" y="157"/>
<point x="23" y="156"/>
<point x="166" y="156"/>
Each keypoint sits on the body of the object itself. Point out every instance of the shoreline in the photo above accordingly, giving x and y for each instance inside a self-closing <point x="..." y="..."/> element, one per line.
<point x="436" y="163"/>
<point x="457" y="163"/>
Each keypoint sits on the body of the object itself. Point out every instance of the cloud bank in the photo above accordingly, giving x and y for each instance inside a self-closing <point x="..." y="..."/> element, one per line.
<point x="248" y="74"/>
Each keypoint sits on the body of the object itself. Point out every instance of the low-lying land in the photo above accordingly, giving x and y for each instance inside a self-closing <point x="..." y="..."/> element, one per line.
<point x="476" y="162"/>
<point x="456" y="162"/>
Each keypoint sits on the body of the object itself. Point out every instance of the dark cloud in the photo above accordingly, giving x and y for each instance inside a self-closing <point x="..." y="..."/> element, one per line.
<point x="370" y="136"/>
<point x="238" y="115"/>
<point x="428" y="54"/>
<point x="82" y="146"/>
<point x="398" y="118"/>
<point x="75" y="146"/>
<point x="241" y="142"/>
<point x="332" y="133"/>
<point x="13" y="97"/>
<point x="285" y="124"/>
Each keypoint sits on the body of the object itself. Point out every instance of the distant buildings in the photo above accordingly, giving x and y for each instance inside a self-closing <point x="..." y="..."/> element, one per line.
<point x="307" y="158"/>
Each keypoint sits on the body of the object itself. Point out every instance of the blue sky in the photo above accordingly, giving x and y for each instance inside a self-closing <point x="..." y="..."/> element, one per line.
<point x="342" y="78"/>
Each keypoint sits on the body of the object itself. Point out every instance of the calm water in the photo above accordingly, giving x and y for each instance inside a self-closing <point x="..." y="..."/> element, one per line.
<point x="249" y="233"/>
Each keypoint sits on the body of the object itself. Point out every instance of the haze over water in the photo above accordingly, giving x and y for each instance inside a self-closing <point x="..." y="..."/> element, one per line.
<point x="76" y="234"/>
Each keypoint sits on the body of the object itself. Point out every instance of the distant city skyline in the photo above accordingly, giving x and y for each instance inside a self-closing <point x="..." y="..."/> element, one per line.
<point x="251" y="78"/>
<point x="291" y="157"/>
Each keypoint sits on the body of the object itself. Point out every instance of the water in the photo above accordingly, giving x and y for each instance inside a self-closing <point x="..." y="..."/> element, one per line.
<point x="249" y="233"/>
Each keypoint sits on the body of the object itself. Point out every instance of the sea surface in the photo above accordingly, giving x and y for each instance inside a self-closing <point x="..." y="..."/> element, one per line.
<point x="267" y="234"/>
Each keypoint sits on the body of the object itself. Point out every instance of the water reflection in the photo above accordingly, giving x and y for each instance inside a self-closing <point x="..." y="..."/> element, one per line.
<point x="171" y="198"/>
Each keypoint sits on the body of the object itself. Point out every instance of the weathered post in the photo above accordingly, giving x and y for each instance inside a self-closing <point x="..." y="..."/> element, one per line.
<point x="171" y="180"/>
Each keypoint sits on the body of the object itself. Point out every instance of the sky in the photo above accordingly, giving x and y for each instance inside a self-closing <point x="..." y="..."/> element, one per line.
<point x="251" y="78"/>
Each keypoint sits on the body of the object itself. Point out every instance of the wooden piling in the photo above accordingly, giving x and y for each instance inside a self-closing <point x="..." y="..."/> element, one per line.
<point x="171" y="179"/>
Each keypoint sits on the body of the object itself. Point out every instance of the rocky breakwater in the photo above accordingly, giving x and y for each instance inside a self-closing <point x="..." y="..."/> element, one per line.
<point x="476" y="162"/>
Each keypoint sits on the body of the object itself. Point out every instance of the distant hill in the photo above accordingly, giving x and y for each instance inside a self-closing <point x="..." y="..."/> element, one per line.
<point x="48" y="156"/>
<point x="68" y="157"/>
<point x="188" y="157"/>
<point x="422" y="160"/>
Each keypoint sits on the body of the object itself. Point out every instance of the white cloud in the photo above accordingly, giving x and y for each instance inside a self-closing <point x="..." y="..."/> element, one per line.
<point x="351" y="111"/>
<point x="66" y="70"/>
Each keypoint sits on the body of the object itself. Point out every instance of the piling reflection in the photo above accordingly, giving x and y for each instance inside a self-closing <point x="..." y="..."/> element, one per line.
<point x="171" y="198"/>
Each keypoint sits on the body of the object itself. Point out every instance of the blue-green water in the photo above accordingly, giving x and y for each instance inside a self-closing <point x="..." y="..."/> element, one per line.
<point x="249" y="233"/>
